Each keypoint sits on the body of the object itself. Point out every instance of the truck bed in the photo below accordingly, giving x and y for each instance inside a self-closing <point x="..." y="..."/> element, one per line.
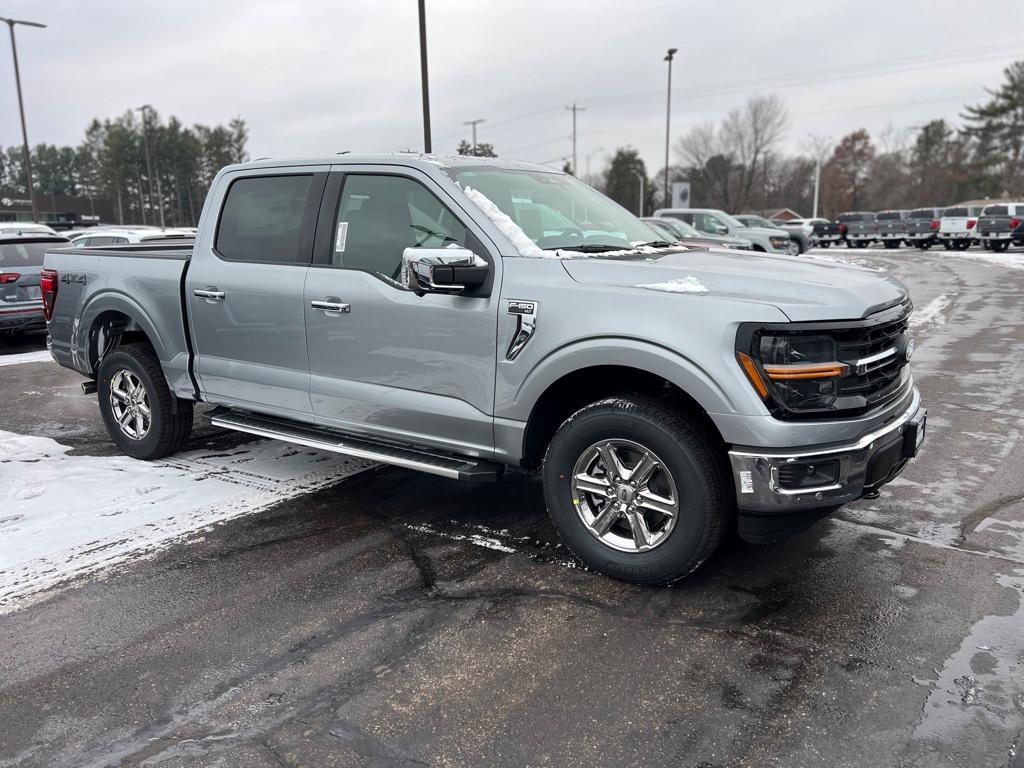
<point x="103" y="286"/>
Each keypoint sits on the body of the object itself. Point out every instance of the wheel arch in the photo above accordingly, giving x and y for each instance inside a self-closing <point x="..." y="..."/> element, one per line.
<point x="112" y="319"/>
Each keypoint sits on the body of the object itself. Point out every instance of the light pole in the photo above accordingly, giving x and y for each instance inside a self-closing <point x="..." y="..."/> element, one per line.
<point x="21" y="107"/>
<point x="423" y="77"/>
<point x="149" y="168"/>
<point x="590" y="155"/>
<point x="575" y="109"/>
<point x="640" y="207"/>
<point x="474" y="123"/>
<point x="668" y="121"/>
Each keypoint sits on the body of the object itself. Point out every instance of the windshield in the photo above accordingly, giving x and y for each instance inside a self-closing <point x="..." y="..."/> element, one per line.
<point x="681" y="228"/>
<point x="922" y="213"/>
<point x="955" y="212"/>
<point x="555" y="210"/>
<point x="996" y="210"/>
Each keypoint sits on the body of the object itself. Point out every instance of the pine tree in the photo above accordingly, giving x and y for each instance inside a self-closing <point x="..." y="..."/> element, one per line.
<point x="998" y="127"/>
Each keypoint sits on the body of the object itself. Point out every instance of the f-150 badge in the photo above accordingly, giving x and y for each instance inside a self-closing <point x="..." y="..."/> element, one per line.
<point x="525" y="313"/>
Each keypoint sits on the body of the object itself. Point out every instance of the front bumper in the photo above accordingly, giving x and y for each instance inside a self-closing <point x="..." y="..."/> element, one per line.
<point x="771" y="505"/>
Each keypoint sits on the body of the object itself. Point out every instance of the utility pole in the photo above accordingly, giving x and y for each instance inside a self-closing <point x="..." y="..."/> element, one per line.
<point x="817" y="185"/>
<point x="668" y="118"/>
<point x="574" y="109"/>
<point x="21" y="108"/>
<point x="423" y="77"/>
<point x="474" y="124"/>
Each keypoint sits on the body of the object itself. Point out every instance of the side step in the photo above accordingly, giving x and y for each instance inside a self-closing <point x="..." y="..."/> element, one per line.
<point x="311" y="436"/>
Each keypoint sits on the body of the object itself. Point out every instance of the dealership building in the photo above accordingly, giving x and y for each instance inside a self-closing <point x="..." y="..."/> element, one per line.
<point x="59" y="211"/>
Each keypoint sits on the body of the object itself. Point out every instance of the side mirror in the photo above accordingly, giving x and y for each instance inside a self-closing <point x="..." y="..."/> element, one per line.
<point x="442" y="270"/>
<point x="721" y="229"/>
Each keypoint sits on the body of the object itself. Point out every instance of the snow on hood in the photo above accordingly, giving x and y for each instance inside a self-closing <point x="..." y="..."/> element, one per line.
<point x="805" y="290"/>
<point x="688" y="284"/>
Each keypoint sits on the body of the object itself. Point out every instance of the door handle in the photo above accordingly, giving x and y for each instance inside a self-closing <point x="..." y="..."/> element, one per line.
<point x="212" y="294"/>
<point x="331" y="306"/>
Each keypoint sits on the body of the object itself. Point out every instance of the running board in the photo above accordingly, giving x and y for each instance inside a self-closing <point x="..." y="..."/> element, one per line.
<point x="311" y="436"/>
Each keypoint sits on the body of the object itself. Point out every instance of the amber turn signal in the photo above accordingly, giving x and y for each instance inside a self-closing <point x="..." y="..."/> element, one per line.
<point x="750" y="368"/>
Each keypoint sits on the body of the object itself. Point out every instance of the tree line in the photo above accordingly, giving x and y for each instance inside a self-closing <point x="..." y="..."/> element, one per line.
<point x="111" y="163"/>
<point x="736" y="165"/>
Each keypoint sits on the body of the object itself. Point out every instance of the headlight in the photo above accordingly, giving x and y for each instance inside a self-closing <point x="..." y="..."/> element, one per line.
<point x="779" y="242"/>
<point x="797" y="371"/>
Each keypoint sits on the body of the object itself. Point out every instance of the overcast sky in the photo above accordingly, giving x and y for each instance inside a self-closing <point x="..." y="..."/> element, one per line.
<point x="318" y="77"/>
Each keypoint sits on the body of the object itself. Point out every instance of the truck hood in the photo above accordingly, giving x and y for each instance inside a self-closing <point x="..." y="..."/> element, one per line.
<point x="805" y="289"/>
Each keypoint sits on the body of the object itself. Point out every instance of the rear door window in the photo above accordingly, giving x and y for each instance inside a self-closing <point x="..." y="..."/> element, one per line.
<point x="268" y="219"/>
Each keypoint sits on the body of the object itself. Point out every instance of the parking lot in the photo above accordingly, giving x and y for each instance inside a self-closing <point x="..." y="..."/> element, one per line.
<point x="316" y="611"/>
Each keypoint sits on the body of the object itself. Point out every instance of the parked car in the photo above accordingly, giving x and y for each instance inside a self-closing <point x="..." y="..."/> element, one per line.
<point x="123" y="236"/>
<point x="679" y="231"/>
<point x="923" y="227"/>
<point x="25" y="228"/>
<point x="892" y="228"/>
<point x="21" y="261"/>
<point x="956" y="226"/>
<point x="822" y="232"/>
<point x="858" y="228"/>
<point x="395" y="308"/>
<point x="799" y="239"/>
<point x="714" y="222"/>
<point x="1001" y="224"/>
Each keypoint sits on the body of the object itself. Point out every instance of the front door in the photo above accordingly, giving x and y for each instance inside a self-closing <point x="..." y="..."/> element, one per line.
<point x="244" y="292"/>
<point x="384" y="361"/>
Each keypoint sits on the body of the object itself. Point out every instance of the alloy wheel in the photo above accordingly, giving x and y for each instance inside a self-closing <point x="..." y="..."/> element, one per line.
<point x="129" y="402"/>
<point x="625" y="495"/>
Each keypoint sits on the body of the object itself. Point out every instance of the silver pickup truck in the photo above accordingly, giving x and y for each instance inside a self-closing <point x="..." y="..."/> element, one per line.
<point x="460" y="316"/>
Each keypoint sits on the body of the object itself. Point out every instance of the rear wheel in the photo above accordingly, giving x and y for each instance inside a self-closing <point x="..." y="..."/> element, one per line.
<point x="635" y="490"/>
<point x="143" y="418"/>
<point x="947" y="244"/>
<point x="963" y="245"/>
<point x="999" y="245"/>
<point x="824" y="244"/>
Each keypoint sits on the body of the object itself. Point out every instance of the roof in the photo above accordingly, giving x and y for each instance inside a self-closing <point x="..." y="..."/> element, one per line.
<point x="415" y="159"/>
<point x="987" y="201"/>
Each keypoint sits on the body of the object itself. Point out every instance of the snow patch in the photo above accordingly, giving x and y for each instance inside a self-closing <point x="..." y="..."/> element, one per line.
<point x="931" y="313"/>
<point x="42" y="356"/>
<point x="688" y="284"/>
<point x="68" y="516"/>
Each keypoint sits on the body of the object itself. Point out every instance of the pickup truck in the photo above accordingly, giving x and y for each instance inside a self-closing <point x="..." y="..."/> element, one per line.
<point x="823" y="232"/>
<point x="858" y="228"/>
<point x="892" y="228"/>
<point x="414" y="310"/>
<point x="923" y="227"/>
<point x="799" y="237"/>
<point x="1001" y="224"/>
<point x="957" y="226"/>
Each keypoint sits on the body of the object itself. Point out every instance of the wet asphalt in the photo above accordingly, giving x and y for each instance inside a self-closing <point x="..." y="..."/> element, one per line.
<point x="398" y="619"/>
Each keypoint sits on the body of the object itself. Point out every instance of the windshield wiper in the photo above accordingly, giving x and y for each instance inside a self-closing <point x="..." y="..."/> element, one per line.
<point x="588" y="248"/>
<point x="655" y="244"/>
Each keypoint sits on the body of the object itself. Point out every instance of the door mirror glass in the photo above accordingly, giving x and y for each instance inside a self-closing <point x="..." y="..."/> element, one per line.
<point x="442" y="270"/>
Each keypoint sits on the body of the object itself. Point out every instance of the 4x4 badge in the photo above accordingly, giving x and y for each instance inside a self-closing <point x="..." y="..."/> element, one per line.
<point x="525" y="313"/>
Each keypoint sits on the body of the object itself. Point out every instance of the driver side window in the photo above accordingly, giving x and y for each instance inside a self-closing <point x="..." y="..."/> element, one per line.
<point x="379" y="216"/>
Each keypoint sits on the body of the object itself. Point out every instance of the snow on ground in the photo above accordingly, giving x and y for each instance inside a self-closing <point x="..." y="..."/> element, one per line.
<point x="42" y="356"/>
<point x="688" y="284"/>
<point x="64" y="516"/>
<point x="932" y="313"/>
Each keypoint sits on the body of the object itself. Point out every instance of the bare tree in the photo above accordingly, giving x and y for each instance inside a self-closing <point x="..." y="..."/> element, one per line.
<point x="749" y="135"/>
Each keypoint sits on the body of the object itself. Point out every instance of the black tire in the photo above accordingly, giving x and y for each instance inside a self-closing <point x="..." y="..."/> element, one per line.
<point x="999" y="245"/>
<point x="705" y="500"/>
<point x="963" y="245"/>
<point x="824" y="244"/>
<point x="170" y="417"/>
<point x="947" y="244"/>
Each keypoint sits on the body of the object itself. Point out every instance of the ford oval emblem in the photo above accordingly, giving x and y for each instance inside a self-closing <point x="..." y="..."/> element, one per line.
<point x="910" y="349"/>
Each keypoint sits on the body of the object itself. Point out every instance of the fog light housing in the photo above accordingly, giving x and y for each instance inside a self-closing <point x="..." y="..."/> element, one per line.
<point x="797" y="475"/>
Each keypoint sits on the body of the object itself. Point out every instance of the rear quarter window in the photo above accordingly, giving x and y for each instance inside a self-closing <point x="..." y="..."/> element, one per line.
<point x="262" y="219"/>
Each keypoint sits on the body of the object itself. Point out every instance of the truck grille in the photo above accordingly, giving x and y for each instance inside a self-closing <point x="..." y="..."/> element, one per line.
<point x="883" y="380"/>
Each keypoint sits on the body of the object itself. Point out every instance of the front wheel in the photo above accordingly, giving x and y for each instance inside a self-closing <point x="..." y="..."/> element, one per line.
<point x="792" y="248"/>
<point x="824" y="244"/>
<point x="635" y="490"/>
<point x="143" y="417"/>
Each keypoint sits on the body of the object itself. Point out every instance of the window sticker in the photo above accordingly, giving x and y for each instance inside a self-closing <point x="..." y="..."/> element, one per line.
<point x="339" y="240"/>
<point x="746" y="482"/>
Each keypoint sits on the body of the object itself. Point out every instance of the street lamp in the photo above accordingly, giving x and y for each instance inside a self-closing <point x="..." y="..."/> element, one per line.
<point x="590" y="155"/>
<point x="640" y="207"/>
<point x="668" y="116"/>
<point x="21" y="107"/>
<point x="423" y="77"/>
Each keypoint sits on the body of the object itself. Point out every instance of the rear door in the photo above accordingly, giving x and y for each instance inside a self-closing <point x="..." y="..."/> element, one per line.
<point x="244" y="290"/>
<point x="387" y="362"/>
